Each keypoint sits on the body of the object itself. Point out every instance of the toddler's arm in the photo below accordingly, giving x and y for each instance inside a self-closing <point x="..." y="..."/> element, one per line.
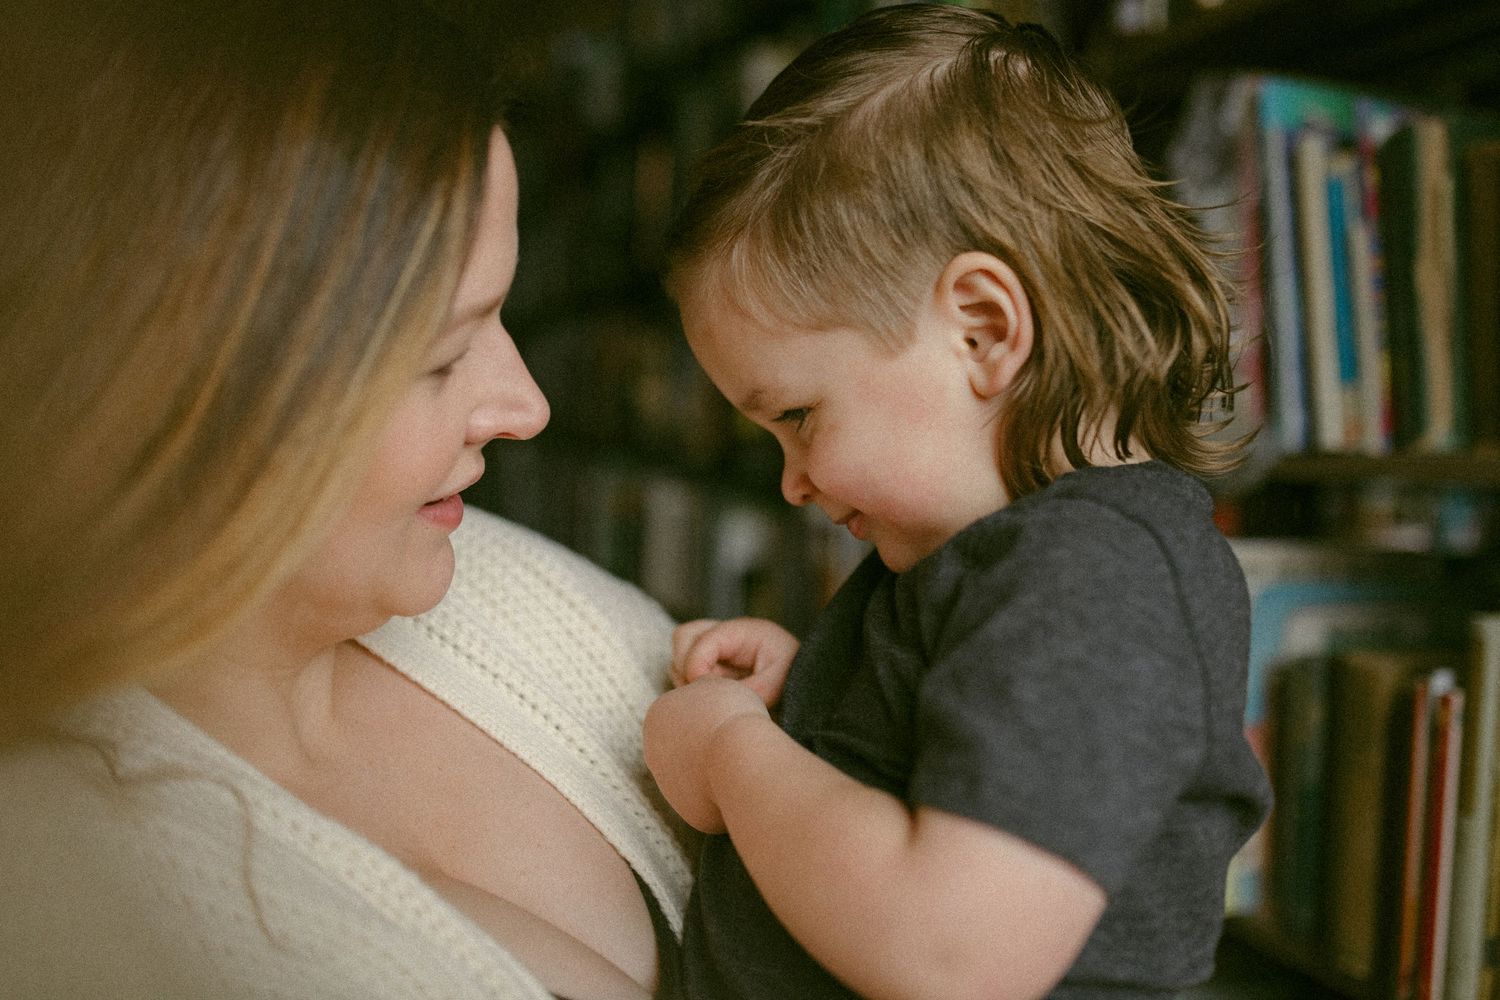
<point x="754" y="651"/>
<point x="895" y="903"/>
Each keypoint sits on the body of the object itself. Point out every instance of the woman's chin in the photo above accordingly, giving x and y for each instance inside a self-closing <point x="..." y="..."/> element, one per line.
<point x="420" y="588"/>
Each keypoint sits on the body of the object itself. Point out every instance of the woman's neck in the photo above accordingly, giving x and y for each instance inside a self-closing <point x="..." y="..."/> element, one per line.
<point x="265" y="696"/>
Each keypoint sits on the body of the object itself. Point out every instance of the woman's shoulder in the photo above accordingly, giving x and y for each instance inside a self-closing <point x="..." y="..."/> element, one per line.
<point x="496" y="556"/>
<point x="166" y="877"/>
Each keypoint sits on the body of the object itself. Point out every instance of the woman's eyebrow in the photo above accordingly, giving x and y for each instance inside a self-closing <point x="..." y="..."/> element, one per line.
<point x="479" y="310"/>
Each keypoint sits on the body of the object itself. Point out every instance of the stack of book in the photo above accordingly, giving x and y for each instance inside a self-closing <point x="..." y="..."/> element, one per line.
<point x="1368" y="240"/>
<point x="1373" y="701"/>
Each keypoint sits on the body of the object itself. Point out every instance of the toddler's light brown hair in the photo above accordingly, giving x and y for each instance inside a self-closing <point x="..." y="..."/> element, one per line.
<point x="920" y="132"/>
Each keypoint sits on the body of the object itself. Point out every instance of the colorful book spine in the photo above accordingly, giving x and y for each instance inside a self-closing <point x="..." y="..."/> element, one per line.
<point x="1406" y="930"/>
<point x="1312" y="153"/>
<point x="1344" y="228"/>
<point x="1442" y="812"/>
<point x="1284" y="330"/>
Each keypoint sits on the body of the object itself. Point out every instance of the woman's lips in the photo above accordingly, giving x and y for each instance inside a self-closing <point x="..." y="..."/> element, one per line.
<point x="446" y="513"/>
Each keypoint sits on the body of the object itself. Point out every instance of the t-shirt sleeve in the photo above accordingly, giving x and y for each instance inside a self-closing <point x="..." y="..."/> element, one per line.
<point x="1063" y="701"/>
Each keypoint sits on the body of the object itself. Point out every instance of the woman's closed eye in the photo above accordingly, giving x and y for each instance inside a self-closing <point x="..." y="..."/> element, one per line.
<point x="442" y="371"/>
<point x="445" y="368"/>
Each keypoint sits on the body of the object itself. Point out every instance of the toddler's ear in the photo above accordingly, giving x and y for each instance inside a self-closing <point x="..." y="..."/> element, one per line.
<point x="986" y="306"/>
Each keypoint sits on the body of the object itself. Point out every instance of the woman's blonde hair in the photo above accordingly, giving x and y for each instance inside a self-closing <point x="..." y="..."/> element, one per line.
<point x="230" y="232"/>
<point x="920" y="132"/>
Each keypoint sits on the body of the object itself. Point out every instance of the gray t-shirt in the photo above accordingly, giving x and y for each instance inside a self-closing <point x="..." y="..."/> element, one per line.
<point x="1070" y="669"/>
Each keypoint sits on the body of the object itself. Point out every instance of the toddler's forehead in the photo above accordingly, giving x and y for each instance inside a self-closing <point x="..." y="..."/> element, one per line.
<point x="728" y="300"/>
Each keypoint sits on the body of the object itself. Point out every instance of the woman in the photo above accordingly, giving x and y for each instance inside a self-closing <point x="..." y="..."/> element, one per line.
<point x="253" y="260"/>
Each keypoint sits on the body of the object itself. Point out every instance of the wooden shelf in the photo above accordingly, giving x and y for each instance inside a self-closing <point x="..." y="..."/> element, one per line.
<point x="1476" y="470"/>
<point x="1391" y="44"/>
<point x="1316" y="977"/>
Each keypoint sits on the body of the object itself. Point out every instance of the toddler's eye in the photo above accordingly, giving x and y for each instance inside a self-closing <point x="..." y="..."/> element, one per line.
<point x="796" y="417"/>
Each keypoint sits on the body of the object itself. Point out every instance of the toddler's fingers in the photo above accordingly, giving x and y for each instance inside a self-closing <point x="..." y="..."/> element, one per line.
<point x="767" y="685"/>
<point x="735" y="648"/>
<point x="704" y="657"/>
<point x="683" y="637"/>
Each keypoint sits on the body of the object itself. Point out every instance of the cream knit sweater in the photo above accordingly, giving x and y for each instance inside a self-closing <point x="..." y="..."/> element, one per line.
<point x="187" y="873"/>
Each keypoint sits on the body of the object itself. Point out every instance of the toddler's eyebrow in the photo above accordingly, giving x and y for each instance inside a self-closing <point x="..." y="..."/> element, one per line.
<point x="752" y="402"/>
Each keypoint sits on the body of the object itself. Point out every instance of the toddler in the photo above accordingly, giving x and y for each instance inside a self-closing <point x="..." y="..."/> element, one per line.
<point x="1010" y="758"/>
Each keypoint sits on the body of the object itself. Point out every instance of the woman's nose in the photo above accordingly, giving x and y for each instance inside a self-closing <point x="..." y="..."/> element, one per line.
<point x="512" y="405"/>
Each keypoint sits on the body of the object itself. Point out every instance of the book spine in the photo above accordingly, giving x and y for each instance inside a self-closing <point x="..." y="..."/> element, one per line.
<point x="1437" y="876"/>
<point x="1344" y="230"/>
<point x="1298" y="781"/>
<point x="1414" y="849"/>
<point x="1476" y="798"/>
<point x="1433" y="275"/>
<point x="1482" y="287"/>
<point x="1312" y="153"/>
<point x="1287" y="342"/>
<point x="1369" y="331"/>
<point x="1363" y="696"/>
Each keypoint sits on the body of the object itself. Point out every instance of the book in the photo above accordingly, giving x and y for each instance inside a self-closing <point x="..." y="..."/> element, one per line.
<point x="1300" y="122"/>
<point x="1312" y="153"/>
<point x="1433" y="281"/>
<point x="1369" y="330"/>
<point x="1322" y="596"/>
<point x="1309" y="598"/>
<point x="1417" y="218"/>
<point x="1447" y="705"/>
<point x="1299" y="696"/>
<point x="1401" y="930"/>
<point x="1365" y="687"/>
<point x="1345" y="235"/>
<point x="1378" y="120"/>
<point x="1284" y="331"/>
<point x="1467" y="129"/>
<point x="1398" y="234"/>
<point x="1474" y="824"/>
<point x="1481" y="173"/>
<point x="1322" y="261"/>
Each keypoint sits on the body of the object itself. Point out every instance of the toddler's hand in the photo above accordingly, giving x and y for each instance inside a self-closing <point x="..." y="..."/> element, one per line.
<point x="754" y="651"/>
<point x="680" y="730"/>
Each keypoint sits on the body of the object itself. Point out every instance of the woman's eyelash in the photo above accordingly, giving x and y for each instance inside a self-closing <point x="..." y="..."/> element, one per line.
<point x="797" y="416"/>
<point x="446" y="369"/>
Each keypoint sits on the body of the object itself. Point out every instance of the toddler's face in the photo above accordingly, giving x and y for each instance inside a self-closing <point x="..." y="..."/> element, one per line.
<point x="893" y="444"/>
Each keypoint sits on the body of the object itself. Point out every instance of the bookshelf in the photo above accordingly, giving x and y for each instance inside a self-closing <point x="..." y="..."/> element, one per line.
<point x="1413" y="495"/>
<point x="646" y="470"/>
<point x="1480" y="471"/>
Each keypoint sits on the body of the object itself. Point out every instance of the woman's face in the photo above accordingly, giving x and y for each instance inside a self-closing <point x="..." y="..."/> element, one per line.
<point x="390" y="554"/>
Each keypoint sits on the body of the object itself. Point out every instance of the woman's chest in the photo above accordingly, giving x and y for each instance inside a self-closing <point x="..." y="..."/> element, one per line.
<point x="483" y="828"/>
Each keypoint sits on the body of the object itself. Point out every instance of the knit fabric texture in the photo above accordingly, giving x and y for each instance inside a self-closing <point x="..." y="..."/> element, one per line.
<point x="141" y="858"/>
